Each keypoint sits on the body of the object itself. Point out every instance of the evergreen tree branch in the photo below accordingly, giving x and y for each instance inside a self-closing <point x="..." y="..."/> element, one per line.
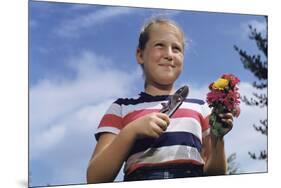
<point x="259" y="100"/>
<point x="262" y="155"/>
<point x="261" y="85"/>
<point x="258" y="68"/>
<point x="232" y="168"/>
<point x="253" y="63"/>
<point x="260" y="40"/>
<point x="263" y="128"/>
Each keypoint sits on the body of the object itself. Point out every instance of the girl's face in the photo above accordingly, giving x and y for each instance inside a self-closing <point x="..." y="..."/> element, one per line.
<point x="162" y="57"/>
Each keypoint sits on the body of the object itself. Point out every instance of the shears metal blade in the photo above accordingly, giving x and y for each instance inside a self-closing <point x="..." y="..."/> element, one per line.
<point x="175" y="101"/>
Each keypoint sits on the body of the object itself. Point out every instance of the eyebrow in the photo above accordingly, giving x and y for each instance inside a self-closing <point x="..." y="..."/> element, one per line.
<point x="161" y="40"/>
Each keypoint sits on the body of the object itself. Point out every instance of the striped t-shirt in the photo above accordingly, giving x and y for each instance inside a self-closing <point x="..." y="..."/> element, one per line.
<point x="180" y="144"/>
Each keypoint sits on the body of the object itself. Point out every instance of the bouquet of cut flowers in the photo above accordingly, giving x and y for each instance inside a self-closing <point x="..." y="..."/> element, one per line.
<point x="223" y="98"/>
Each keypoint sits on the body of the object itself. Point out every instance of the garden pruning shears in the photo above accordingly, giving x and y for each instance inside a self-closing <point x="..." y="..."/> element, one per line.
<point x="175" y="101"/>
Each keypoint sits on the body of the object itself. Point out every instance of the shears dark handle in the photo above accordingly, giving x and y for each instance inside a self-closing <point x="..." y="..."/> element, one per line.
<point x="175" y="101"/>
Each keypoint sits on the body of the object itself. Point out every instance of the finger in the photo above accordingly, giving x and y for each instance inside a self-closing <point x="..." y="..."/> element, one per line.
<point x="228" y="122"/>
<point x="164" y="117"/>
<point x="154" y="134"/>
<point x="161" y="123"/>
<point x="157" y="131"/>
<point x="226" y="115"/>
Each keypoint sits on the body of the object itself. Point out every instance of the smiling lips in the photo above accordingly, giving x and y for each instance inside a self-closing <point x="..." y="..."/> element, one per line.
<point x="166" y="65"/>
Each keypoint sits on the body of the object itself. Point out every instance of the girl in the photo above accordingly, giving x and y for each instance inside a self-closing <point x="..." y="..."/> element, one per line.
<point x="152" y="145"/>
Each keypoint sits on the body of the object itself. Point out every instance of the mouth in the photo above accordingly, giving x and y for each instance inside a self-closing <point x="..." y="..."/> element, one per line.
<point x="166" y="65"/>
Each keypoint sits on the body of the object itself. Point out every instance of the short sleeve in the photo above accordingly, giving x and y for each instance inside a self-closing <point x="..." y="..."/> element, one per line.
<point x="206" y="111"/>
<point x="111" y="122"/>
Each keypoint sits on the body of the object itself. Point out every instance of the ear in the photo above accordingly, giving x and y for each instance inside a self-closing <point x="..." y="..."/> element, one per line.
<point x="139" y="56"/>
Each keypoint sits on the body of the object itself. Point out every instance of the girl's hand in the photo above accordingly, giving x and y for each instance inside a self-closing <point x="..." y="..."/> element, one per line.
<point x="227" y="120"/>
<point x="150" y="125"/>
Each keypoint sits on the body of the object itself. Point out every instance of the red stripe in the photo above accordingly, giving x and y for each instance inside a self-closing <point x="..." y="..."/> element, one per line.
<point x="137" y="114"/>
<point x="111" y="120"/>
<point x="205" y="124"/>
<point x="188" y="113"/>
<point x="179" y="161"/>
<point x="183" y="112"/>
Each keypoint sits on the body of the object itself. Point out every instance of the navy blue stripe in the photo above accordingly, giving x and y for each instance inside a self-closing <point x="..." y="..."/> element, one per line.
<point x="197" y="101"/>
<point x="144" y="97"/>
<point x="167" y="139"/>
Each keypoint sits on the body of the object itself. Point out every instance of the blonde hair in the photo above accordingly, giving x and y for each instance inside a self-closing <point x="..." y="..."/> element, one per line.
<point x="144" y="33"/>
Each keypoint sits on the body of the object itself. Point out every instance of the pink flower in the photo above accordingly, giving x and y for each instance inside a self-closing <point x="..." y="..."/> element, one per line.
<point x="237" y="111"/>
<point x="214" y="97"/>
<point x="223" y="97"/>
<point x="232" y="79"/>
<point x="226" y="98"/>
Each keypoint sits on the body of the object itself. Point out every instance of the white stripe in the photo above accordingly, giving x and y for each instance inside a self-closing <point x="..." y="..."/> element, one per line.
<point x="190" y="125"/>
<point x="204" y="110"/>
<point x="108" y="129"/>
<point x="145" y="105"/>
<point x="114" y="109"/>
<point x="164" y="154"/>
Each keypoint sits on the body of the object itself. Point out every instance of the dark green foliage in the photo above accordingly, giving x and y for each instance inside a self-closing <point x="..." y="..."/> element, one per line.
<point x="258" y="67"/>
<point x="232" y="168"/>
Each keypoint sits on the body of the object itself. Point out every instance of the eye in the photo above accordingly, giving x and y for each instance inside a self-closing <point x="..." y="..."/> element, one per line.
<point x="159" y="44"/>
<point x="177" y="48"/>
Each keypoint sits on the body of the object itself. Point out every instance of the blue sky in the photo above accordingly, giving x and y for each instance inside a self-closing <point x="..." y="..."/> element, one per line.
<point x="82" y="57"/>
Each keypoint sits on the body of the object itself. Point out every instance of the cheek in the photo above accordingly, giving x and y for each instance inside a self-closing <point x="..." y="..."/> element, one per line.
<point x="179" y="63"/>
<point x="179" y="59"/>
<point x="178" y="71"/>
<point x="154" y="55"/>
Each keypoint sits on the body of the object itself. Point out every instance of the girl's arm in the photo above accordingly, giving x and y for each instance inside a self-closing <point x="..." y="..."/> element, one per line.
<point x="214" y="156"/>
<point x="109" y="155"/>
<point x="111" y="150"/>
<point x="213" y="151"/>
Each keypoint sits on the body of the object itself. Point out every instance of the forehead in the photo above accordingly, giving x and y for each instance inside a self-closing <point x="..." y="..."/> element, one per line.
<point x="160" y="30"/>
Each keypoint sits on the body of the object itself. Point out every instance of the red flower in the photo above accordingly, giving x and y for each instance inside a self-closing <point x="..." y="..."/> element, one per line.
<point x="237" y="111"/>
<point x="232" y="79"/>
<point x="228" y="98"/>
<point x="223" y="97"/>
<point x="214" y="97"/>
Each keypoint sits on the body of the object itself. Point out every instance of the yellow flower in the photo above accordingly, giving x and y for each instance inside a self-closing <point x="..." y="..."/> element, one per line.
<point x="220" y="84"/>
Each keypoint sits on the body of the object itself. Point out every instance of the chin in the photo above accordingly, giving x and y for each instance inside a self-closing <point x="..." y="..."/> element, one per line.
<point x="169" y="79"/>
<point x="166" y="82"/>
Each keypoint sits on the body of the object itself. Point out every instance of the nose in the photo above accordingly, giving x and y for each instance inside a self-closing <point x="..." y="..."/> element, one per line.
<point x="169" y="54"/>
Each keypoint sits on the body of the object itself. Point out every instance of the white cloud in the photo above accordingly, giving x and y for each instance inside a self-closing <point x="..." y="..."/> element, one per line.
<point x="243" y="138"/>
<point x="64" y="114"/>
<point x="95" y="81"/>
<point x="71" y="27"/>
<point x="163" y="13"/>
<point x="260" y="26"/>
<point x="46" y="140"/>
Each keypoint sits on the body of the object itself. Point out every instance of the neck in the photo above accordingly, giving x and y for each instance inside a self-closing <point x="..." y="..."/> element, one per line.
<point x="156" y="89"/>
